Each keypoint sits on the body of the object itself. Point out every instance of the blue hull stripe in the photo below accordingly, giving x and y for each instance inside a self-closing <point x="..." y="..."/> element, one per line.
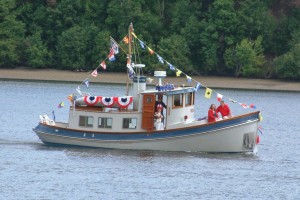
<point x="116" y="136"/>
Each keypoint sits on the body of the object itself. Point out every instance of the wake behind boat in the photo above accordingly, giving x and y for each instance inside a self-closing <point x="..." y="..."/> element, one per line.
<point x="131" y="122"/>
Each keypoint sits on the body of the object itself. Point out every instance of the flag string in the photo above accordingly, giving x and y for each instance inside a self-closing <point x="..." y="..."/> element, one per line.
<point x="189" y="79"/>
<point x="143" y="45"/>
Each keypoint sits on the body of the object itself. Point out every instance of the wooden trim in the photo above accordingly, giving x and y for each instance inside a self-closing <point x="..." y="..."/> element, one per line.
<point x="183" y="100"/>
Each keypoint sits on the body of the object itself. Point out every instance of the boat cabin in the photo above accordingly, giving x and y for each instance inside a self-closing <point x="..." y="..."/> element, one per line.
<point x="91" y="114"/>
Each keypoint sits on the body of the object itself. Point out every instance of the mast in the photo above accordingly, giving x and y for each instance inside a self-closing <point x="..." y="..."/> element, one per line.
<point x="130" y="30"/>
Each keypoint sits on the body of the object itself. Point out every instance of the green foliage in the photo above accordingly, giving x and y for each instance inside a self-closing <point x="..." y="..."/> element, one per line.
<point x="175" y="48"/>
<point x="203" y="36"/>
<point x="219" y="33"/>
<point x="246" y="58"/>
<point x="288" y="64"/>
<point x="36" y="51"/>
<point x="72" y="48"/>
<point x="11" y="34"/>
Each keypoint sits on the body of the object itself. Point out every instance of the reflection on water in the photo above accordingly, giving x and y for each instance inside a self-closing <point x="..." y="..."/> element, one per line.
<point x="31" y="170"/>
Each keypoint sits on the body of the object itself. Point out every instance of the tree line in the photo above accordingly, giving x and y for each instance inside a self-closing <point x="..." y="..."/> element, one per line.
<point x="248" y="38"/>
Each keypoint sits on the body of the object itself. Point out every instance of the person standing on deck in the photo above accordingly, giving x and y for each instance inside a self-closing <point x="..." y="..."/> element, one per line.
<point x="160" y="104"/>
<point x="158" y="119"/>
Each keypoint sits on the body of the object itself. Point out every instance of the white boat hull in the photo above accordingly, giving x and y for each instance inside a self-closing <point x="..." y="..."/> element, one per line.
<point x="228" y="139"/>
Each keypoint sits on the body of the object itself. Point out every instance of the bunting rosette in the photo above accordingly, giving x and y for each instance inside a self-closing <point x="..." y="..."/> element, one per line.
<point x="124" y="102"/>
<point x="92" y="100"/>
<point x="108" y="101"/>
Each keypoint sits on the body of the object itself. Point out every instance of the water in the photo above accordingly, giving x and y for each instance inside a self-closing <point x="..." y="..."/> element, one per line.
<point x="31" y="170"/>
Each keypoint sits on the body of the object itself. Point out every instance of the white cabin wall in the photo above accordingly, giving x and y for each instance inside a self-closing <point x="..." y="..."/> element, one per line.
<point x="117" y="117"/>
<point x="176" y="115"/>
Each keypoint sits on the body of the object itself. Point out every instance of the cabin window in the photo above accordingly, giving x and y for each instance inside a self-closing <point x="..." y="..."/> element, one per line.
<point x="129" y="123"/>
<point x="104" y="122"/>
<point x="189" y="99"/>
<point x="87" y="121"/>
<point x="177" y="100"/>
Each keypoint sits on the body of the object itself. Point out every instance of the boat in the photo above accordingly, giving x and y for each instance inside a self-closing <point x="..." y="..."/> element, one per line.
<point x="128" y="122"/>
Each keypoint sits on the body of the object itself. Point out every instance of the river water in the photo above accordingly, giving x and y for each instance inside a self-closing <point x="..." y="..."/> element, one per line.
<point x="31" y="170"/>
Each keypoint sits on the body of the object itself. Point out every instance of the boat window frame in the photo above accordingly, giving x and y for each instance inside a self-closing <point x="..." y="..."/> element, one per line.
<point x="173" y="101"/>
<point x="105" y="122"/>
<point x="192" y="99"/>
<point x="129" y="123"/>
<point x="86" y="121"/>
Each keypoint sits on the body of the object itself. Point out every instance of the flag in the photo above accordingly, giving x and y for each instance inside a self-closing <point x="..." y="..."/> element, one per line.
<point x="103" y="65"/>
<point x="142" y="44"/>
<point x="70" y="97"/>
<point x="260" y="117"/>
<point x="189" y="79"/>
<point x="178" y="72"/>
<point x="150" y="51"/>
<point x="131" y="74"/>
<point x="61" y="105"/>
<point x="53" y="115"/>
<point x="257" y="139"/>
<point x="111" y="56"/>
<point x="128" y="65"/>
<point x="114" y="46"/>
<point x="244" y="105"/>
<point x="219" y="97"/>
<point x="94" y="73"/>
<point x="197" y="87"/>
<point x="260" y="130"/>
<point x="208" y="93"/>
<point x="86" y="82"/>
<point x="171" y="66"/>
<point x="160" y="59"/>
<point x="233" y="101"/>
<point x="78" y="90"/>
<point x="126" y="39"/>
<point x="133" y="34"/>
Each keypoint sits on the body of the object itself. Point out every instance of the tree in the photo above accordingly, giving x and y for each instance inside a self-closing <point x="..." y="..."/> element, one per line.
<point x="72" y="48"/>
<point x="176" y="51"/>
<point x="11" y="34"/>
<point x="219" y="31"/>
<point x="255" y="19"/>
<point x="288" y="64"/>
<point x="246" y="58"/>
<point x="36" y="51"/>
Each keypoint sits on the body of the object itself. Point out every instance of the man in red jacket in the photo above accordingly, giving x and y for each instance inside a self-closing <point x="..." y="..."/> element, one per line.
<point x="224" y="110"/>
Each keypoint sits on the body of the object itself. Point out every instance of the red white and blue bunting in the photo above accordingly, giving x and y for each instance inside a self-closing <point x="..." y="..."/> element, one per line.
<point x="92" y="100"/>
<point x="120" y="102"/>
<point x="123" y="102"/>
<point x="108" y="101"/>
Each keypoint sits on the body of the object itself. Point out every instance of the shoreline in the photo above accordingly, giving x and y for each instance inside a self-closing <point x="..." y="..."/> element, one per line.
<point x="24" y="74"/>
